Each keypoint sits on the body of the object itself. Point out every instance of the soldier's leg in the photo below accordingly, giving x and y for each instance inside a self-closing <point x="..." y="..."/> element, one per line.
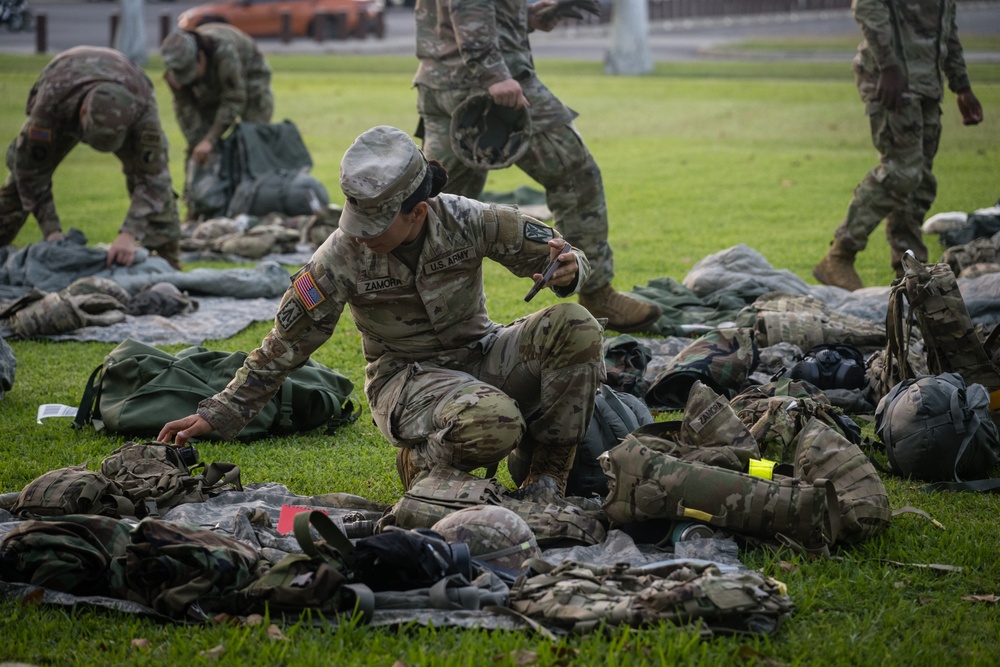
<point x="903" y="226"/>
<point x="12" y="216"/>
<point x="574" y="190"/>
<point x="443" y="416"/>
<point x="883" y="191"/>
<point x="435" y="107"/>
<point x="551" y="363"/>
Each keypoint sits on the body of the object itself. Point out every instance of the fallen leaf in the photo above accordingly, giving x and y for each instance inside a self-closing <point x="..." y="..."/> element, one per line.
<point x="982" y="598"/>
<point x="275" y="633"/>
<point x="213" y="652"/>
<point x="788" y="567"/>
<point x="522" y="657"/>
<point x="140" y="642"/>
<point x="34" y="598"/>
<point x="254" y="620"/>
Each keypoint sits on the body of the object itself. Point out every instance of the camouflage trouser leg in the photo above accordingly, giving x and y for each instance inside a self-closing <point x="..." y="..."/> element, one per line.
<point x="435" y="107"/>
<point x="574" y="191"/>
<point x="12" y="215"/>
<point x="537" y="378"/>
<point x="903" y="178"/>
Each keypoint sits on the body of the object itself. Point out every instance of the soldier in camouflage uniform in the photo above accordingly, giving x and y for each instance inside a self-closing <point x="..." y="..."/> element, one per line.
<point x="466" y="46"/>
<point x="444" y="383"/>
<point x="218" y="76"/>
<point x="99" y="97"/>
<point x="898" y="70"/>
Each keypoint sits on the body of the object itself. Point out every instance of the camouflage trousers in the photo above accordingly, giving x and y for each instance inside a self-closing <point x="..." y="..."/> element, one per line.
<point x="535" y="378"/>
<point x="902" y="187"/>
<point x="557" y="159"/>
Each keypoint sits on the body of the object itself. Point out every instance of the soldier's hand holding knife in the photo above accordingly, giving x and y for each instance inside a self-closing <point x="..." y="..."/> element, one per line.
<point x="561" y="271"/>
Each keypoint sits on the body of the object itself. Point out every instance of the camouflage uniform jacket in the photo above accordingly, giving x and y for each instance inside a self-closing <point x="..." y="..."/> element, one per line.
<point x="472" y="44"/>
<point x="52" y="129"/>
<point x="436" y="315"/>
<point x="235" y="64"/>
<point x="920" y="37"/>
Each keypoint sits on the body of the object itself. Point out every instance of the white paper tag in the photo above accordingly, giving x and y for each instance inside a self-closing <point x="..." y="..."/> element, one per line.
<point x="47" y="410"/>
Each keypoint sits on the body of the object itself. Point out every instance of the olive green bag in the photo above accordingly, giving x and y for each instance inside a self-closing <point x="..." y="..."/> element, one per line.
<point x="139" y="388"/>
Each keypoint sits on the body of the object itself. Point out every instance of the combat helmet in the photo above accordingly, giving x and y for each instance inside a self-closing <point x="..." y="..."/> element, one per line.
<point x="485" y="135"/>
<point x="495" y="534"/>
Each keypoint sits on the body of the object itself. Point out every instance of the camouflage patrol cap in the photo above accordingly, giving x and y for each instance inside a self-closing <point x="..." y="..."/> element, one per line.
<point x="494" y="534"/>
<point x="105" y="116"/>
<point x="378" y="172"/>
<point x="180" y="56"/>
<point x="485" y="135"/>
<point x="722" y="359"/>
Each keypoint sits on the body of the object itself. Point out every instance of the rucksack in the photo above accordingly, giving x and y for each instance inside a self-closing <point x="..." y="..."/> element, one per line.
<point x="950" y="341"/>
<point x="138" y="388"/>
<point x="71" y="554"/>
<point x="72" y="490"/>
<point x="938" y="429"/>
<point x="616" y="414"/>
<point x="156" y="477"/>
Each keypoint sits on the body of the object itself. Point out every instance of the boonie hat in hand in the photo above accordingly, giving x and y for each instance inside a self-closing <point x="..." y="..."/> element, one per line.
<point x="378" y="172"/>
<point x="180" y="56"/>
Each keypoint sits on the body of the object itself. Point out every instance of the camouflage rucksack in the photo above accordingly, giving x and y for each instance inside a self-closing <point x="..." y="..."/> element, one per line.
<point x="156" y="476"/>
<point x="181" y="570"/>
<point x="72" y="490"/>
<point x="71" y="554"/>
<point x="583" y="597"/>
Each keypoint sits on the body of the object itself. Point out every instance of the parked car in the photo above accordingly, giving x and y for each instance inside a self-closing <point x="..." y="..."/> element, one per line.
<point x="263" y="18"/>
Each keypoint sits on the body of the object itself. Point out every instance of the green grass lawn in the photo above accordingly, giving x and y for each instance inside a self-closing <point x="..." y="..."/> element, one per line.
<point x="696" y="157"/>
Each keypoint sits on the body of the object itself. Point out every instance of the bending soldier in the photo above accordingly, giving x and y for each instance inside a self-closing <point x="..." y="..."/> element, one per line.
<point x="218" y="76"/>
<point x="99" y="97"/>
<point x="445" y="383"/>
<point x="468" y="46"/>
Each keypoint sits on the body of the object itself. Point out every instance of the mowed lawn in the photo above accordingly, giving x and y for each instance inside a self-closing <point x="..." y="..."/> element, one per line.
<point x="696" y="158"/>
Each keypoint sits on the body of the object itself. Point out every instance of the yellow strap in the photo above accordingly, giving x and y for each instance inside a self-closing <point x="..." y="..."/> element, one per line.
<point x="995" y="400"/>
<point x="763" y="468"/>
<point x="697" y="514"/>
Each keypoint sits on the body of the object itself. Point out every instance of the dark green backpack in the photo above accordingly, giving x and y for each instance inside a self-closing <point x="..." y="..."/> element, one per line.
<point x="156" y="477"/>
<point x="139" y="388"/>
<point x="72" y="490"/>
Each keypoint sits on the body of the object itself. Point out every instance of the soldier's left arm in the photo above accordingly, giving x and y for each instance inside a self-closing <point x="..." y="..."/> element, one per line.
<point x="521" y="243"/>
<point x="146" y="164"/>
<point x="954" y="60"/>
<point x="233" y="96"/>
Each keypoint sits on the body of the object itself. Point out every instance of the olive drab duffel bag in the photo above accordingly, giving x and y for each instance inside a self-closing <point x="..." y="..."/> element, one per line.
<point x="139" y="388"/>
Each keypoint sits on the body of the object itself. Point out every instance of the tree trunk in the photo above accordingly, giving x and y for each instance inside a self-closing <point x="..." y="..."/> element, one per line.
<point x="629" y="52"/>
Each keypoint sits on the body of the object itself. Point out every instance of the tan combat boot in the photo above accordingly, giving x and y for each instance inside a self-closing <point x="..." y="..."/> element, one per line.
<point x="837" y="268"/>
<point x="550" y="466"/>
<point x="407" y="471"/>
<point x="624" y="313"/>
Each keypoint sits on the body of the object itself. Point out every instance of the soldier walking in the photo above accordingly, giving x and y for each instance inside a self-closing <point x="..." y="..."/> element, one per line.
<point x="101" y="98"/>
<point x="898" y="70"/>
<point x="468" y="46"/>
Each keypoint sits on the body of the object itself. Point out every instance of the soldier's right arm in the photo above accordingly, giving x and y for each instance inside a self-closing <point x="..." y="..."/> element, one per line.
<point x="476" y="33"/>
<point x="875" y="19"/>
<point x="306" y="319"/>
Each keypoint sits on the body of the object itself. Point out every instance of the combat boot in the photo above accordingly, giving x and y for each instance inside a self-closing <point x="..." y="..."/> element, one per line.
<point x="837" y="268"/>
<point x="405" y="468"/>
<point x="553" y="462"/>
<point x="624" y="313"/>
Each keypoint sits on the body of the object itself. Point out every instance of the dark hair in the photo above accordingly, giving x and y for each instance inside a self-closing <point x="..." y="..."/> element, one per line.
<point x="434" y="180"/>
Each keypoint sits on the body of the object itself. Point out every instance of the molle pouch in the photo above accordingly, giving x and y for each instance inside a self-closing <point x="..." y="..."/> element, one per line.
<point x="442" y="491"/>
<point x="646" y="484"/>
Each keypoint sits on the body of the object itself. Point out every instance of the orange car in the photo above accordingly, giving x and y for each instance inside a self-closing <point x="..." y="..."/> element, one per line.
<point x="263" y="18"/>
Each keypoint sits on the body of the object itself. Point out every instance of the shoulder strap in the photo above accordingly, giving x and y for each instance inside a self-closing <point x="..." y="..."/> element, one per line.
<point x="88" y="404"/>
<point x="327" y="529"/>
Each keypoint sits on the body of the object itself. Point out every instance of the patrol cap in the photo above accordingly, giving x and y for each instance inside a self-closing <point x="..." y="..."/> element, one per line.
<point x="378" y="172"/>
<point x="180" y="56"/>
<point x="105" y="116"/>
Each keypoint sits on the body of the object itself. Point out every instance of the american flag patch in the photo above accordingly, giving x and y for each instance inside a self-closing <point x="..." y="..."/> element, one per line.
<point x="307" y="291"/>
<point x="39" y="134"/>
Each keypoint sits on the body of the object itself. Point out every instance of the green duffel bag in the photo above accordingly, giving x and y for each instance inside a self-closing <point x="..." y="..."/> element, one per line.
<point x="139" y="388"/>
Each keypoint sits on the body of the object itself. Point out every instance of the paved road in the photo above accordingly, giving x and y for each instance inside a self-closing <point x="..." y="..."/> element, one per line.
<point x="74" y="22"/>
